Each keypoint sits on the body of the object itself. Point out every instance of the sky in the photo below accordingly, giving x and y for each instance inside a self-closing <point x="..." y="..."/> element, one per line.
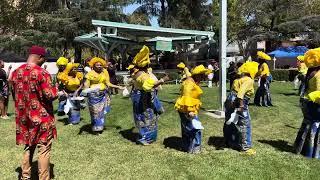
<point x="154" y="20"/>
<point x="131" y="8"/>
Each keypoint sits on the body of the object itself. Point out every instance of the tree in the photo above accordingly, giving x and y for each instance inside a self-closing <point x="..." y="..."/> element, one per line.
<point x="54" y="23"/>
<point x="256" y="20"/>
<point x="188" y="14"/>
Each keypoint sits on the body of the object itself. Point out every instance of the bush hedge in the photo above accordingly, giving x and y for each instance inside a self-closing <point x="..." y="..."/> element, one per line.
<point x="284" y="74"/>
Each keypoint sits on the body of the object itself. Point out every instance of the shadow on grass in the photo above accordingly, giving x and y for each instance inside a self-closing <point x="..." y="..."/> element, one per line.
<point x="173" y="142"/>
<point x="280" y="145"/>
<point x="168" y="101"/>
<point x="217" y="142"/>
<point x="129" y="134"/>
<point x="88" y="128"/>
<point x="34" y="171"/>
<point x="289" y="126"/>
<point x="64" y="120"/>
<point x="289" y="94"/>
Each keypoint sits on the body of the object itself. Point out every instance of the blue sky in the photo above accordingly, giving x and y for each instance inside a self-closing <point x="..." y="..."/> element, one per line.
<point x="131" y="8"/>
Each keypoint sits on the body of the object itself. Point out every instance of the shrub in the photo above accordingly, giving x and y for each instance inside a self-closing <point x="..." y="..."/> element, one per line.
<point x="284" y="74"/>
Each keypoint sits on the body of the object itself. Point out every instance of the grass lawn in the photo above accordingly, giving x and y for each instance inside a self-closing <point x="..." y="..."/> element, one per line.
<point x="77" y="154"/>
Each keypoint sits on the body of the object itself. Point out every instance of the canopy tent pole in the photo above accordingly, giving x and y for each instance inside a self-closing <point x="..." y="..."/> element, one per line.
<point x="223" y="52"/>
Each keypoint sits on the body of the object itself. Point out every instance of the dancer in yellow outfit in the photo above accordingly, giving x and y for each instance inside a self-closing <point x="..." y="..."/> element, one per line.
<point x="307" y="140"/>
<point x="263" y="96"/>
<point x="237" y="126"/>
<point x="184" y="71"/>
<point x="72" y="82"/>
<point x="145" y="109"/>
<point x="303" y="69"/>
<point x="61" y="64"/>
<point x="98" y="81"/>
<point x="188" y="106"/>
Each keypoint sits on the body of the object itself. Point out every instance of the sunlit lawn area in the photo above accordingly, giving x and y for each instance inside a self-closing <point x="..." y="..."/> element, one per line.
<point x="77" y="154"/>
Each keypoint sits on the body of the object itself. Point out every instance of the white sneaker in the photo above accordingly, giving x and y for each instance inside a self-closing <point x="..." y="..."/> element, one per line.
<point x="4" y="117"/>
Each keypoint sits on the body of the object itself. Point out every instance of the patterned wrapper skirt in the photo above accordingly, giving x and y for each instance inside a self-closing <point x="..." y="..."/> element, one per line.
<point x="107" y="107"/>
<point x="307" y="141"/>
<point x="145" y="116"/>
<point x="97" y="105"/>
<point x="263" y="96"/>
<point x="191" y="137"/>
<point x="74" y="112"/>
<point x="62" y="102"/>
<point x="237" y="135"/>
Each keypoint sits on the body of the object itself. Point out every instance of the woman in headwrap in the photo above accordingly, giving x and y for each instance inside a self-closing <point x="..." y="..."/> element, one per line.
<point x="237" y="126"/>
<point x="98" y="81"/>
<point x="184" y="71"/>
<point x="303" y="69"/>
<point x="307" y="141"/>
<point x="72" y="81"/>
<point x="263" y="96"/>
<point x="61" y="64"/>
<point x="188" y="106"/>
<point x="145" y="112"/>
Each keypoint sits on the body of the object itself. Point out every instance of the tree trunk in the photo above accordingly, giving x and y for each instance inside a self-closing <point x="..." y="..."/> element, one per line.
<point x="163" y="13"/>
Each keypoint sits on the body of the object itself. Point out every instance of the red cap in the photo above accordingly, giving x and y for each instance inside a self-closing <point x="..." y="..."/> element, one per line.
<point x="37" y="50"/>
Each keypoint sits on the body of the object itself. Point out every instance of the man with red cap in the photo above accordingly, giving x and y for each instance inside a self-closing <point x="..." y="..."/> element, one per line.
<point x="33" y="93"/>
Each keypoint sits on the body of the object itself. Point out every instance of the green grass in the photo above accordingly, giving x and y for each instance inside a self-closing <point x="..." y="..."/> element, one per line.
<point x="113" y="156"/>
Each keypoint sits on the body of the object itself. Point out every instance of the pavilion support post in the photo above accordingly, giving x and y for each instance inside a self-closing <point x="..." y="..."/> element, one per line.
<point x="223" y="52"/>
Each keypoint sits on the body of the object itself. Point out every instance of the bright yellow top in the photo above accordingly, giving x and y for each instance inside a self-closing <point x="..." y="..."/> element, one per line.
<point x="313" y="84"/>
<point x="70" y="83"/>
<point x="94" y="79"/>
<point x="264" y="70"/>
<point x="144" y="82"/>
<point x="302" y="68"/>
<point x="313" y="91"/>
<point x="107" y="77"/>
<point x="189" y="100"/>
<point x="243" y="87"/>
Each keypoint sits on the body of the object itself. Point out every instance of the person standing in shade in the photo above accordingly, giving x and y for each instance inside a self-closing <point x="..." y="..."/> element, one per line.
<point x="4" y="91"/>
<point x="210" y="76"/>
<point x="146" y="114"/>
<point x="188" y="106"/>
<point x="112" y="68"/>
<point x="215" y="79"/>
<point x="33" y="93"/>
<point x="307" y="140"/>
<point x="263" y="96"/>
<point x="237" y="131"/>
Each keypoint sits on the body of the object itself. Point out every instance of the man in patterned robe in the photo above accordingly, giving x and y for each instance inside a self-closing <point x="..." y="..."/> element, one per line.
<point x="33" y="93"/>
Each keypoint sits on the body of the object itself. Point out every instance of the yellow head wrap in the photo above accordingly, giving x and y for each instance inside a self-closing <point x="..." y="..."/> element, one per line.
<point x="312" y="58"/>
<point x="181" y="65"/>
<point x="300" y="58"/>
<point x="95" y="60"/>
<point x="142" y="58"/>
<point x="249" y="67"/>
<point x="131" y="66"/>
<point x="62" y="61"/>
<point x="200" y="70"/>
<point x="263" y="55"/>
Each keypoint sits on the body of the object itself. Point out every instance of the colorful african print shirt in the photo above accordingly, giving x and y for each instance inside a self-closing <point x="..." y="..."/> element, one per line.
<point x="33" y="93"/>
